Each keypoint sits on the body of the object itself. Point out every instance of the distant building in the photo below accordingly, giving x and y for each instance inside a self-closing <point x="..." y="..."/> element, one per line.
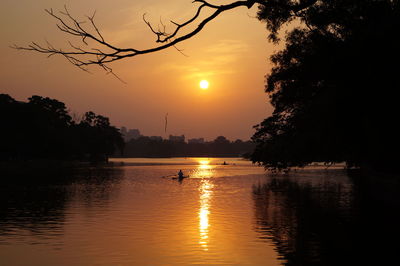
<point x="159" y="138"/>
<point x="177" y="138"/>
<point x="199" y="140"/>
<point x="130" y="134"/>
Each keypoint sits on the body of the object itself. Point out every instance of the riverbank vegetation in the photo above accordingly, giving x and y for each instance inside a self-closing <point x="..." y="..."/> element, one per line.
<point x="42" y="129"/>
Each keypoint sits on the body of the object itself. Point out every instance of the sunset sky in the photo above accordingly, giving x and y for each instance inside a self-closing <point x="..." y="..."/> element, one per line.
<point x="231" y="53"/>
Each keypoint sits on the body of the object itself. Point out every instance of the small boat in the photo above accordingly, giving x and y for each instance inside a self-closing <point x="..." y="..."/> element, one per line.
<point x="177" y="177"/>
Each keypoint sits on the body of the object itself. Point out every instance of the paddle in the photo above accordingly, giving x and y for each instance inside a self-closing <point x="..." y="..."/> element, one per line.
<point x="167" y="176"/>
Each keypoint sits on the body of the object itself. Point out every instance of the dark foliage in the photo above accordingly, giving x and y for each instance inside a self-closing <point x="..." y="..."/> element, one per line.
<point x="334" y="85"/>
<point x="43" y="129"/>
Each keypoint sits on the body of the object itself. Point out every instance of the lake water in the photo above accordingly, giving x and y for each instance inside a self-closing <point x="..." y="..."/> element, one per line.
<point x="234" y="214"/>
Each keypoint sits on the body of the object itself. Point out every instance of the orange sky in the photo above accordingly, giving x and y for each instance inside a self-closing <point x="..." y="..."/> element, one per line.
<point x="232" y="53"/>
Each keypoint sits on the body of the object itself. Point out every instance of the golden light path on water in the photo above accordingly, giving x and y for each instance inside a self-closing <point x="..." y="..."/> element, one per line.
<point x="204" y="171"/>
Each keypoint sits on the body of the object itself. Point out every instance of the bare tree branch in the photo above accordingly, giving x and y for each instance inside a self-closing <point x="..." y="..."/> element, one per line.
<point x="103" y="52"/>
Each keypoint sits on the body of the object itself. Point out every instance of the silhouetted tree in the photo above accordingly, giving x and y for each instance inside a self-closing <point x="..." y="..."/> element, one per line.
<point x="43" y="129"/>
<point x="49" y="126"/>
<point x="333" y="86"/>
<point x="10" y="133"/>
<point x="100" y="139"/>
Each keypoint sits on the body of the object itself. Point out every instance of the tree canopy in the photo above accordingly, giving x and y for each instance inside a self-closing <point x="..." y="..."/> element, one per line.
<point x="42" y="128"/>
<point x="333" y="86"/>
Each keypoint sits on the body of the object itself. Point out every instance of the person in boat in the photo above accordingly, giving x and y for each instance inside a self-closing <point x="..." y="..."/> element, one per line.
<point x="180" y="174"/>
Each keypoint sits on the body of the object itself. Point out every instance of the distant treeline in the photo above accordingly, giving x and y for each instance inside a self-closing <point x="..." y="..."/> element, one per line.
<point x="220" y="147"/>
<point x="42" y="128"/>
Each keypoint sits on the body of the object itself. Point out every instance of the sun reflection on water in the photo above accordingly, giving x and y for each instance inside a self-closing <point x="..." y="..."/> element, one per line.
<point x="204" y="224"/>
<point x="204" y="162"/>
<point x="203" y="170"/>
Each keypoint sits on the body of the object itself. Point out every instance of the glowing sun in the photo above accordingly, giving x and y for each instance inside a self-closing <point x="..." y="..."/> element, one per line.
<point x="204" y="84"/>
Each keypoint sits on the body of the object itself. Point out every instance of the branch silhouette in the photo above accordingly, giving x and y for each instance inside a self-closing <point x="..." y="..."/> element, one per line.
<point x="102" y="52"/>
